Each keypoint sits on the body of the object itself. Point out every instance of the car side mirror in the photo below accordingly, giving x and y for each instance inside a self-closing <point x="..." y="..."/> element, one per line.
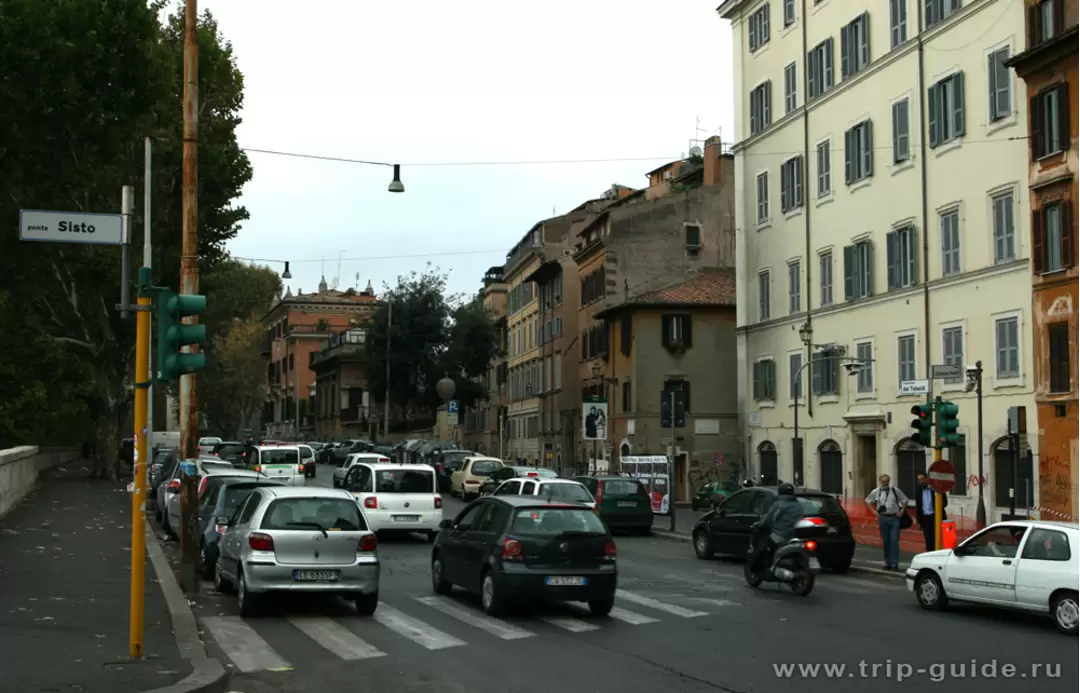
<point x="962" y="550"/>
<point x="223" y="520"/>
<point x="446" y="524"/>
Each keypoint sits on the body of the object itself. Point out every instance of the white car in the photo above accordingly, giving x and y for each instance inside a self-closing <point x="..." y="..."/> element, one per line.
<point x="397" y="497"/>
<point x="342" y="470"/>
<point x="552" y="489"/>
<point x="206" y="445"/>
<point x="1027" y="565"/>
<point x="279" y="463"/>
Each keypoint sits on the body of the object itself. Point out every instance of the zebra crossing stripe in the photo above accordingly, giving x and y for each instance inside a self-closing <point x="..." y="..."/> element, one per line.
<point x="336" y="638"/>
<point x="659" y="605"/>
<point x="631" y="617"/>
<point x="495" y="626"/>
<point x="571" y="624"/>
<point x="414" y="629"/>
<point x="244" y="647"/>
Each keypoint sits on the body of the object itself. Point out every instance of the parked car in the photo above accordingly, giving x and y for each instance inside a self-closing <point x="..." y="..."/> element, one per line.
<point x="713" y="494"/>
<point x="622" y="502"/>
<point x="552" y="489"/>
<point x="302" y="540"/>
<point x="517" y="549"/>
<point x="207" y="443"/>
<point x="163" y="462"/>
<point x="1024" y="565"/>
<point x="346" y="464"/>
<point x="307" y="460"/>
<point x="220" y="497"/>
<point x="727" y="529"/>
<point x="281" y="462"/>
<point x="170" y="517"/>
<point x="228" y="450"/>
<point x="350" y="447"/>
<point x="514" y="472"/>
<point x="474" y="471"/>
<point x="396" y="497"/>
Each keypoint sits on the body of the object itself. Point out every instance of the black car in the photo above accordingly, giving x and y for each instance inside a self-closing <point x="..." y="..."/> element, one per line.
<point x="220" y="498"/>
<point x="727" y="529"/>
<point x="514" y="472"/>
<point x="448" y="462"/>
<point x="231" y="451"/>
<point x="517" y="549"/>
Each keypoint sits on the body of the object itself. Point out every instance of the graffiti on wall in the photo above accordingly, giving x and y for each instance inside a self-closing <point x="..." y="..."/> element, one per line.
<point x="973" y="480"/>
<point x="1055" y="484"/>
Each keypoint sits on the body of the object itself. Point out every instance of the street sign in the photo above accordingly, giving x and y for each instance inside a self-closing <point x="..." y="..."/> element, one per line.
<point x="718" y="459"/>
<point x="452" y="406"/>
<point x="947" y="372"/>
<point x="915" y="387"/>
<point x="942" y="476"/>
<point x="452" y="419"/>
<point x="71" y="227"/>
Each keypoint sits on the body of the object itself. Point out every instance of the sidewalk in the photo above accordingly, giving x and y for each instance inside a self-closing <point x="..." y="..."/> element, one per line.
<point x="65" y="563"/>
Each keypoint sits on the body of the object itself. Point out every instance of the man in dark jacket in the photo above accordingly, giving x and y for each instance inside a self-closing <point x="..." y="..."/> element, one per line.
<point x="779" y="522"/>
<point x="924" y="510"/>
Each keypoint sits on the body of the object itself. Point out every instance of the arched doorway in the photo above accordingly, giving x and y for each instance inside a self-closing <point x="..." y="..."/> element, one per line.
<point x="1003" y="475"/>
<point x="832" y="467"/>
<point x="910" y="462"/>
<point x="769" y="462"/>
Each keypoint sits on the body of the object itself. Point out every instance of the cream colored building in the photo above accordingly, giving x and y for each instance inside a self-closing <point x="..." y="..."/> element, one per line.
<point x="523" y="347"/>
<point x="889" y="216"/>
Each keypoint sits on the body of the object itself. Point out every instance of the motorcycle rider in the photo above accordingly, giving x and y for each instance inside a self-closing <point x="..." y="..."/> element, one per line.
<point x="780" y="524"/>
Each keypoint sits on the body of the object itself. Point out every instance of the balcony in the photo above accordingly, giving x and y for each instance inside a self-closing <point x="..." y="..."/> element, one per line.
<point x="354" y="414"/>
<point x="350" y="345"/>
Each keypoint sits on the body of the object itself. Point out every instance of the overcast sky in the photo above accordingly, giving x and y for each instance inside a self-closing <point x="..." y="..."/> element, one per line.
<point x="427" y="82"/>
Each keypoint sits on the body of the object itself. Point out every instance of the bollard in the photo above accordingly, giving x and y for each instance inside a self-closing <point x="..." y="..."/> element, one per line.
<point x="948" y="534"/>
<point x="189" y="528"/>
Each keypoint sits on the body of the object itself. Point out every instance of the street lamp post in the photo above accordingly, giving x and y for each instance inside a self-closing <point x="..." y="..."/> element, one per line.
<point x="445" y="388"/>
<point x="975" y="381"/>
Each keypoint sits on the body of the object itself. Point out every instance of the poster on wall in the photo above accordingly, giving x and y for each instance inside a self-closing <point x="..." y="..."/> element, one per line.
<point x="594" y="418"/>
<point x="653" y="472"/>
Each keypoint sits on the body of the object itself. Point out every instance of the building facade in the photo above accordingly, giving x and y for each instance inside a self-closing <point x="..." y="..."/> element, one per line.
<point x="343" y="404"/>
<point x="883" y="221"/>
<point x="1048" y="66"/>
<point x="523" y="405"/>
<point x="483" y="425"/>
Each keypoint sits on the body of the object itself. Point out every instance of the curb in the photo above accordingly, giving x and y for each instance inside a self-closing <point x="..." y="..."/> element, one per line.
<point x="208" y="675"/>
<point x="856" y="566"/>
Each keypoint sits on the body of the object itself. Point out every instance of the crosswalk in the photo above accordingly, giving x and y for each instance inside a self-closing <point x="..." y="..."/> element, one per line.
<point x="357" y="638"/>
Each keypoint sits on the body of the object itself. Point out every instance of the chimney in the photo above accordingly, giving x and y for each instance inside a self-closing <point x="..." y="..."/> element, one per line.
<point x="714" y="163"/>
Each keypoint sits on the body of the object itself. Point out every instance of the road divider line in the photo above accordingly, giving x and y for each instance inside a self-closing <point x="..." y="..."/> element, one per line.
<point x="336" y="638"/>
<point x="571" y="624"/>
<point x="243" y="646"/>
<point x="414" y="629"/>
<point x="659" y="605"/>
<point x="497" y="627"/>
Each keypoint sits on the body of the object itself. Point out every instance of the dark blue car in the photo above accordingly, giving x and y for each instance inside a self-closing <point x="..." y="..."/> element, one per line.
<point x="219" y="500"/>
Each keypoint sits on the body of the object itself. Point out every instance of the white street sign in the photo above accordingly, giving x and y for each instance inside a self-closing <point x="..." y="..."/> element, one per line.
<point x="915" y="387"/>
<point x="71" y="227"/>
<point x="452" y="419"/>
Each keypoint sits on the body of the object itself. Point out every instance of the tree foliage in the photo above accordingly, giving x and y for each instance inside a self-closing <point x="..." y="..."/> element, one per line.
<point x="432" y="335"/>
<point x="84" y="81"/>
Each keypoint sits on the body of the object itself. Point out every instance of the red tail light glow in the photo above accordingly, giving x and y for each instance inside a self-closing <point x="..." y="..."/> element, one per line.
<point x="811" y="546"/>
<point x="220" y="529"/>
<point x="438" y="502"/>
<point x="300" y="469"/>
<point x="258" y="467"/>
<point x="533" y="474"/>
<point x="175" y="484"/>
<point x="609" y="550"/>
<point x="599" y="492"/>
<point x="384" y="459"/>
<point x="368" y="544"/>
<point x="511" y="550"/>
<point x="371" y="503"/>
<point x="817" y="521"/>
<point x="202" y="484"/>
<point x="260" y="542"/>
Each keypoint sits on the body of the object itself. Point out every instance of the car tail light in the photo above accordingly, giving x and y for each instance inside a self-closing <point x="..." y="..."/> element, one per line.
<point x="807" y="522"/>
<point x="511" y="550"/>
<point x="175" y="484"/>
<point x="202" y="484"/>
<point x="472" y="482"/>
<point x="609" y="550"/>
<point x="260" y="542"/>
<point x="258" y="467"/>
<point x="599" y="492"/>
<point x="220" y="529"/>
<point x="371" y="503"/>
<point x="300" y="469"/>
<point x="438" y="502"/>
<point x="811" y="546"/>
<point x="384" y="459"/>
<point x="533" y="474"/>
<point x="368" y="544"/>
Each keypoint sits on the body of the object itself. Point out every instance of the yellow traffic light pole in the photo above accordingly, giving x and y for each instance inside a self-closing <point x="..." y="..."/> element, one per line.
<point x="142" y="449"/>
<point x="937" y="496"/>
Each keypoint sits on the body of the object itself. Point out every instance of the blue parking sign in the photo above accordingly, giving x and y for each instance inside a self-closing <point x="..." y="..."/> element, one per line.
<point x="452" y="406"/>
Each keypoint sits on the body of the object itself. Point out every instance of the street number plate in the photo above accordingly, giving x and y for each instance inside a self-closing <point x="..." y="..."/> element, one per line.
<point x="815" y="564"/>
<point x="559" y="581"/>
<point x="627" y="504"/>
<point x="315" y="575"/>
<point x="406" y="518"/>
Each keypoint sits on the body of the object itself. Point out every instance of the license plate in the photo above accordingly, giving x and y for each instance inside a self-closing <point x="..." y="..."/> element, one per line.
<point x="315" y="575"/>
<point x="558" y="581"/>
<point x="406" y="518"/>
<point x="832" y="530"/>
<point x="815" y="564"/>
<point x="627" y="504"/>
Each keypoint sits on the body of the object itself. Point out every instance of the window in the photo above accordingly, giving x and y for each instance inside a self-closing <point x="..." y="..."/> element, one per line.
<point x="898" y="21"/>
<point x="820" y="69"/>
<point x="1047" y="545"/>
<point x="832" y="467"/>
<point x="858" y="270"/>
<point x="864" y="381"/>
<point x="855" y="46"/>
<point x="945" y="106"/>
<point x="824" y="169"/>
<point x="900" y="258"/>
<point x="794" y="276"/>
<point x="901" y="132"/>
<point x="950" y="242"/>
<point x="789" y="12"/>
<point x="1046" y="19"/>
<point x="627" y="402"/>
<point x="795" y="377"/>
<point x="957" y="456"/>
<point x="626" y="333"/>
<point x="764" y="373"/>
<point x="1004" y="231"/>
<point x="692" y="233"/>
<point x="790" y="89"/>
<point x="938" y="11"/>
<point x="759" y="27"/>
<point x="1052" y="233"/>
<point x="999" y="84"/>
<point x="558" y="371"/>
<point x="760" y="107"/>
<point x="905" y="358"/>
<point x="825" y="262"/>
<point x="763" y="296"/>
<point x="677" y="331"/>
<point x="999" y="542"/>
<point x="952" y="351"/>
<point x="825" y="374"/>
<point x="1060" y="357"/>
<point x="1049" y="117"/>
<point x="791" y="184"/>
<point x="763" y="197"/>
<point x="1007" y="346"/>
<point x="859" y="152"/>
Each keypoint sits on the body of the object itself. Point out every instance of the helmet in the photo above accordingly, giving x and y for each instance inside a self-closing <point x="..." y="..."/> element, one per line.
<point x="786" y="490"/>
<point x="747" y="483"/>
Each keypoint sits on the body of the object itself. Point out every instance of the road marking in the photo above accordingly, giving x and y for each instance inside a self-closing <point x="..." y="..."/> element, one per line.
<point x="631" y="617"/>
<point x="337" y="638"/>
<point x="246" y="648"/>
<point x="571" y="624"/>
<point x="718" y="602"/>
<point x="658" y="605"/>
<point x="414" y="629"/>
<point x="495" y="626"/>
<point x="725" y="576"/>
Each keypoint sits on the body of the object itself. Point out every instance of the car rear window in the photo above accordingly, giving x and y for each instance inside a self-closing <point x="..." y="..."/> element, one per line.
<point x="235" y="495"/>
<point x="216" y="467"/>
<point x="228" y="450"/>
<point x="570" y="492"/>
<point x="305" y="513"/>
<point x="555" y="521"/>
<point x="285" y="456"/>
<point x="484" y="467"/>
<point x="621" y="487"/>
<point x="404" y="481"/>
<point x="306" y="453"/>
<point x="537" y="472"/>
<point x="820" y="505"/>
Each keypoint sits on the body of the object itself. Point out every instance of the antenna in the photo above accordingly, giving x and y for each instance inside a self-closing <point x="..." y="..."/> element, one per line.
<point x="356" y="284"/>
<point x="337" y="279"/>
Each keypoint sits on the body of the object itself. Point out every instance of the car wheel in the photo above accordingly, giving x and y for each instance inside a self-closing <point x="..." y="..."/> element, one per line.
<point x="367" y="603"/>
<point x="702" y="545"/>
<point x="438" y="582"/>
<point x="246" y="602"/>
<point x="221" y="585"/>
<point x="1064" y="607"/>
<point x="490" y="597"/>
<point x="839" y="567"/>
<point x="929" y="592"/>
<point x="166" y="527"/>
<point x="432" y="536"/>
<point x="602" y="607"/>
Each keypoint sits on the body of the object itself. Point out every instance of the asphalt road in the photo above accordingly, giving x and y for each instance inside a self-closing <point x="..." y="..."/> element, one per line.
<point x="682" y="625"/>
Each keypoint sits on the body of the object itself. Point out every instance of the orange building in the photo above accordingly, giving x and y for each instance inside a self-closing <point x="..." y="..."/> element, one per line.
<point x="1049" y="67"/>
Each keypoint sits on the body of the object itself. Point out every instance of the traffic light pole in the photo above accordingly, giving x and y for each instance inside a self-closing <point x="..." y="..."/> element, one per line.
<point x="937" y="496"/>
<point x="189" y="267"/>
<point x="138" y="496"/>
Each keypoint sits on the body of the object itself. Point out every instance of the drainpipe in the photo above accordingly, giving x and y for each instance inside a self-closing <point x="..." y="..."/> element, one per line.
<point x="925" y="207"/>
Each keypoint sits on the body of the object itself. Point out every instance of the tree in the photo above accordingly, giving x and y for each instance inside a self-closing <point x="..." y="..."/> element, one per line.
<point x="472" y="346"/>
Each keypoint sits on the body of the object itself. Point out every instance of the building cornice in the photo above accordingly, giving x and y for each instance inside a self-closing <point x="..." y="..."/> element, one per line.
<point x="1061" y="47"/>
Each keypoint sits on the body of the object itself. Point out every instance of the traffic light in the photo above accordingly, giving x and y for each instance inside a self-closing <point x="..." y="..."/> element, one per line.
<point x="923" y="424"/>
<point x="170" y="308"/>
<point x="948" y="424"/>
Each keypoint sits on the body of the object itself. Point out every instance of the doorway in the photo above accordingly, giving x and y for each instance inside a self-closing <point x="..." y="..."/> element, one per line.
<point x="865" y="468"/>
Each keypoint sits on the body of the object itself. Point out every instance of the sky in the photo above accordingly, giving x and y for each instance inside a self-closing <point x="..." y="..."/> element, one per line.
<point x="423" y="82"/>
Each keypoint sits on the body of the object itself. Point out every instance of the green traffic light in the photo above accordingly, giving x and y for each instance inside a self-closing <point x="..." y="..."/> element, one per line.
<point x="948" y="424"/>
<point x="170" y="308"/>
<point x="923" y="424"/>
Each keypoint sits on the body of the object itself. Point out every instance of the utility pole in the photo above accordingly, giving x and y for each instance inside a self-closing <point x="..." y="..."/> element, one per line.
<point x="980" y="509"/>
<point x="386" y="401"/>
<point x="671" y="467"/>
<point x="189" y="262"/>
<point x="148" y="263"/>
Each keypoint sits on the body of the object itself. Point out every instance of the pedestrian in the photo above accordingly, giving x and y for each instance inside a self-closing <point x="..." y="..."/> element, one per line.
<point x="924" y="510"/>
<point x="890" y="505"/>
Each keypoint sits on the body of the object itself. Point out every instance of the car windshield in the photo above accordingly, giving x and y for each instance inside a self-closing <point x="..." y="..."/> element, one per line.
<point x="304" y="513"/>
<point x="404" y="481"/>
<point x="452" y="460"/>
<point x="570" y="492"/>
<point x="551" y="522"/>
<point x="281" y="456"/>
<point x="484" y="467"/>
<point x="820" y="505"/>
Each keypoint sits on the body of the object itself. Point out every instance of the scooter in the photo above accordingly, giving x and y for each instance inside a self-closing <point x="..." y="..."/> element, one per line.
<point x="793" y="563"/>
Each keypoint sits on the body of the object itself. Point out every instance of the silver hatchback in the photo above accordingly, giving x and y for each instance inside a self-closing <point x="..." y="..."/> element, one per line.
<point x="299" y="539"/>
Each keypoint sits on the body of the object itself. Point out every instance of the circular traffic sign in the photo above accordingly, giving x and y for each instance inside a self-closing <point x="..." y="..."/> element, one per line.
<point x="942" y="476"/>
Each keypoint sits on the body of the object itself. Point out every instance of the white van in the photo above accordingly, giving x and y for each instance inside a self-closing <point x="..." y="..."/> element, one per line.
<point x="279" y="463"/>
<point x="397" y="497"/>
